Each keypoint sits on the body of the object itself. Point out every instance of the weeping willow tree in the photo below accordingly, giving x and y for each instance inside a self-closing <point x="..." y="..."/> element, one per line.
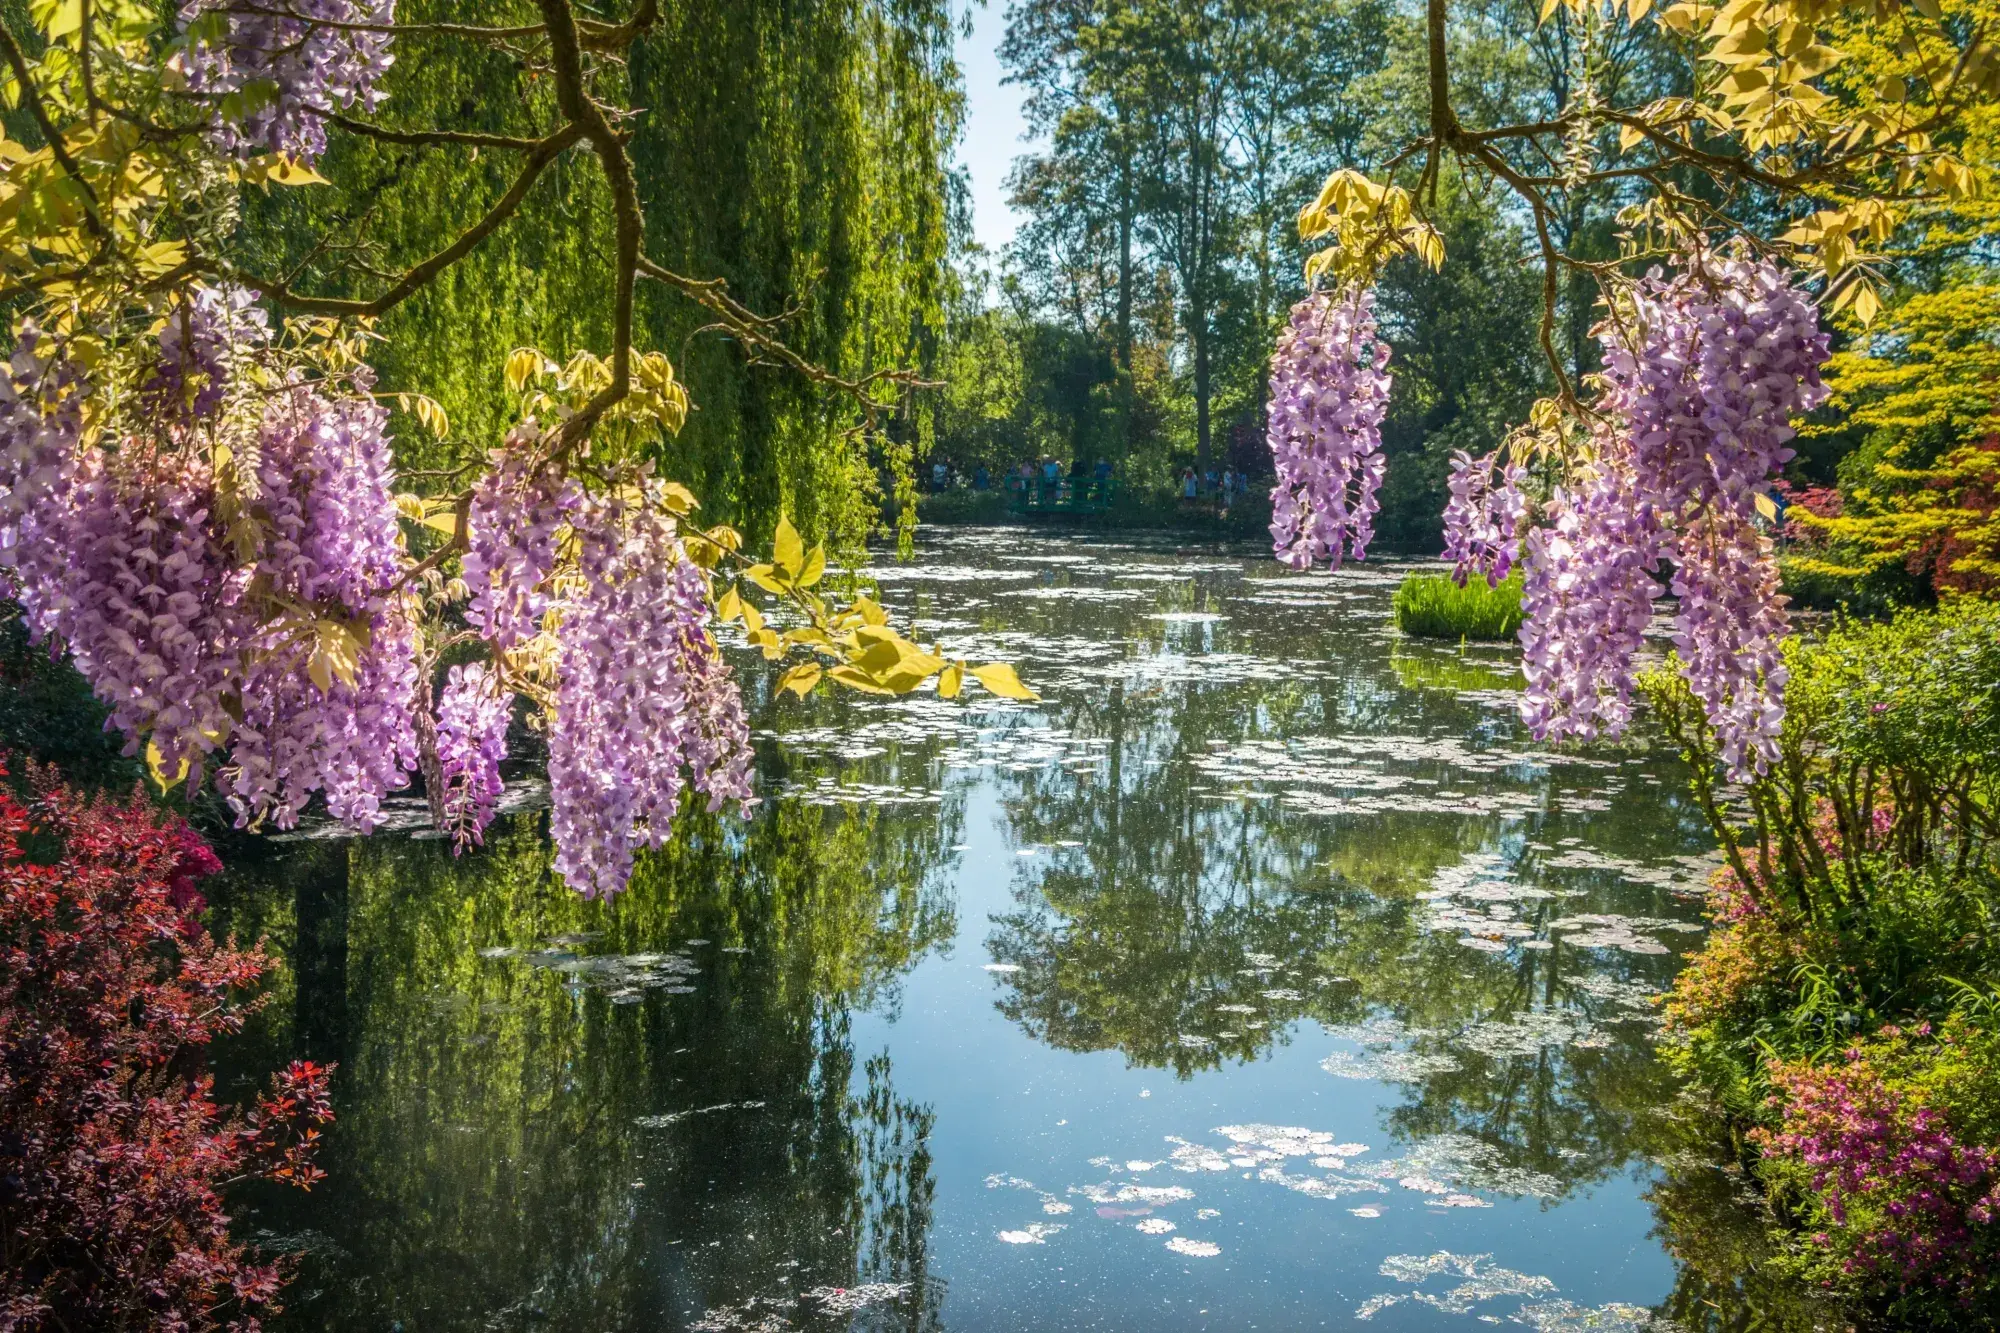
<point x="794" y="149"/>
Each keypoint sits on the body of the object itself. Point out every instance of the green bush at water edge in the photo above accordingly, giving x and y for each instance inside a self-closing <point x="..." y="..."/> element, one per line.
<point x="1845" y="1012"/>
<point x="1433" y="606"/>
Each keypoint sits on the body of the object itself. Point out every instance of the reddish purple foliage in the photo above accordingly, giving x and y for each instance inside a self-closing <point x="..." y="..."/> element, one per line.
<point x="113" y="1152"/>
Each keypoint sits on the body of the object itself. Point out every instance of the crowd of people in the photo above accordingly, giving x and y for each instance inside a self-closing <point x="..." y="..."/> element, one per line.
<point x="1049" y="475"/>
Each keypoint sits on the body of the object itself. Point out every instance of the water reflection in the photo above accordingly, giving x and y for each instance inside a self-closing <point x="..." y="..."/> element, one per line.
<point x="1265" y="972"/>
<point x="545" y="1124"/>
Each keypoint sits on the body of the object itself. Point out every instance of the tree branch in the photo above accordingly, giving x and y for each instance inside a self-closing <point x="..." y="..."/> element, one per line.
<point x="545" y="151"/>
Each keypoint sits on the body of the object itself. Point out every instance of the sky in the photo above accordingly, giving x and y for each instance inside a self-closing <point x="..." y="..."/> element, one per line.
<point x="994" y="125"/>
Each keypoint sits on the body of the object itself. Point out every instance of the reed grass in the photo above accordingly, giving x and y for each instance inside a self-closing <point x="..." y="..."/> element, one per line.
<point x="1431" y="606"/>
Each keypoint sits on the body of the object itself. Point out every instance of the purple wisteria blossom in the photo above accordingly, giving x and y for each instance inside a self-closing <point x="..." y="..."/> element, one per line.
<point x="276" y="69"/>
<point x="128" y="559"/>
<point x="1482" y="521"/>
<point x="1585" y="599"/>
<point x="1329" y="390"/>
<point x="644" y="704"/>
<point x="512" y="548"/>
<point x="471" y="741"/>
<point x="204" y="336"/>
<point x="1703" y="377"/>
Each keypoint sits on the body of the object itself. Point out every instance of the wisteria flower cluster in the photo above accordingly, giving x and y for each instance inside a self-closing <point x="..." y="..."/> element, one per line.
<point x="134" y="561"/>
<point x="1329" y="391"/>
<point x="1887" y="1171"/>
<point x="472" y="720"/>
<point x="1482" y="520"/>
<point x="285" y="66"/>
<point x="644" y="705"/>
<point x="199" y="344"/>
<point x="514" y="524"/>
<point x="1702" y="381"/>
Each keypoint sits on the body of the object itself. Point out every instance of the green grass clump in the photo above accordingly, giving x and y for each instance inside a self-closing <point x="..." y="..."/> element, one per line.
<point x="1433" y="607"/>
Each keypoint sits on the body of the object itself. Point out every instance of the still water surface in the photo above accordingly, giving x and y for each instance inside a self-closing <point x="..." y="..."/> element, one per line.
<point x="1265" y="975"/>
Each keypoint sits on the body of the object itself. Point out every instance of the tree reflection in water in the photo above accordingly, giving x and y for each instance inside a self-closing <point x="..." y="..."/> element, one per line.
<point x="519" y="1148"/>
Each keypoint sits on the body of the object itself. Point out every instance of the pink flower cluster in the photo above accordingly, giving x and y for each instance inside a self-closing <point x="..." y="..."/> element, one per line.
<point x="1482" y="521"/>
<point x="276" y="69"/>
<point x="1699" y="399"/>
<point x="1887" y="1169"/>
<point x="644" y="704"/>
<point x="472" y="720"/>
<point x="1329" y="390"/>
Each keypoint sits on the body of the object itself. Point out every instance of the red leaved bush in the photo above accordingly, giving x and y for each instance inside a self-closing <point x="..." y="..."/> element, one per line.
<point x="113" y="1152"/>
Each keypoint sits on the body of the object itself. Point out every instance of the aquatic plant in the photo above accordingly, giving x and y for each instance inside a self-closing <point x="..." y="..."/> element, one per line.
<point x="1436" y="606"/>
<point x="113" y="1151"/>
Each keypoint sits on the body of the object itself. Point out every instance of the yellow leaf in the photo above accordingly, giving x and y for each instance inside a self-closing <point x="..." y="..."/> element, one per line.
<point x="788" y="551"/>
<point x="729" y="606"/>
<point x="951" y="681"/>
<point x="291" y="171"/>
<point x="881" y="657"/>
<point x="765" y="577"/>
<point x="870" y="611"/>
<point x="815" y="567"/>
<point x="1548" y="10"/>
<point x="1003" y="681"/>
<point x="753" y="620"/>
<point x="523" y="364"/>
<point x="800" y="679"/>
<point x="1766" y="506"/>
<point x="679" y="498"/>
<point x="856" y="680"/>
<point x="445" y="521"/>
<point x="1867" y="305"/>
<point x="156" y="764"/>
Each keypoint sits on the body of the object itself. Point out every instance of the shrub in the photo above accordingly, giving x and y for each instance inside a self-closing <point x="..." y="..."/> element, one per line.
<point x="1433" y="606"/>
<point x="113" y="1153"/>
<point x="1866" y="1153"/>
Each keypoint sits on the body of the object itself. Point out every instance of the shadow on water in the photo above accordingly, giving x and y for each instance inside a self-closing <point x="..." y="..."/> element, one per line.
<point x="1252" y="842"/>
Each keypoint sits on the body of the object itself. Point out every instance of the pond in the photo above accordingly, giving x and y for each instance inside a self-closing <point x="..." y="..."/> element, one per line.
<point x="1264" y="975"/>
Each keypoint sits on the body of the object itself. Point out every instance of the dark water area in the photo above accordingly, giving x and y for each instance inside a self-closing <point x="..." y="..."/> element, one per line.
<point x="1265" y="975"/>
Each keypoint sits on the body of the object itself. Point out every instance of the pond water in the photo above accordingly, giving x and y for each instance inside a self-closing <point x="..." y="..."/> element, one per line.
<point x="1265" y="975"/>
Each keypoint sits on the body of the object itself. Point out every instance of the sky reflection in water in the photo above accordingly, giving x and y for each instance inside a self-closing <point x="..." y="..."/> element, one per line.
<point x="1266" y="975"/>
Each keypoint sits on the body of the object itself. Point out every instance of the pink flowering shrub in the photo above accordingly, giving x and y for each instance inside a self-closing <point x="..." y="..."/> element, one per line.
<point x="1879" y="1159"/>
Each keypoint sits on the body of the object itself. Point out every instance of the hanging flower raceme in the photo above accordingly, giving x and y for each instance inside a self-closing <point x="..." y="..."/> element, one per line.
<point x="327" y="709"/>
<point x="1702" y="378"/>
<point x="1329" y="390"/>
<point x="644" y="706"/>
<point x="471" y="741"/>
<point x="290" y="64"/>
<point x="200" y="343"/>
<point x="234" y="620"/>
<point x="1482" y="521"/>
<point x="1585" y="600"/>
<point x="517" y="513"/>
